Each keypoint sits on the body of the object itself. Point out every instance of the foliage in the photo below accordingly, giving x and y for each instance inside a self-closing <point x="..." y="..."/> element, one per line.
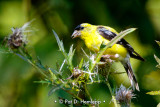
<point x="84" y="73"/>
<point x="153" y="93"/>
<point x="16" y="76"/>
<point x="158" y="66"/>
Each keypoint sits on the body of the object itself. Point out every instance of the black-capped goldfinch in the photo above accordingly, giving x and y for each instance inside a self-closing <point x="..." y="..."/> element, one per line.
<point x="95" y="35"/>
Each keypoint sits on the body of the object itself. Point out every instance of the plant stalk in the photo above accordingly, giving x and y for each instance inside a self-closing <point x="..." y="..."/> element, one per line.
<point x="113" y="97"/>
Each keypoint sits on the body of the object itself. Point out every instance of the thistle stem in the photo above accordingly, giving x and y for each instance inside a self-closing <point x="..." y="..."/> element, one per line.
<point x="87" y="95"/>
<point x="113" y="97"/>
<point x="25" y="54"/>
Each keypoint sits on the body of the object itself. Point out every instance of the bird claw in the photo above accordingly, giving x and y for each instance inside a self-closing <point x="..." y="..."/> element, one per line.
<point x="108" y="58"/>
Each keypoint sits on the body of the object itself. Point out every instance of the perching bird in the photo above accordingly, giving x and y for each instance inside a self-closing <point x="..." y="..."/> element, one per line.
<point x="95" y="35"/>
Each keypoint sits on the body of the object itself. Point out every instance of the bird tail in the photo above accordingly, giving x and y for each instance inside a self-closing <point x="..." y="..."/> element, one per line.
<point x="131" y="75"/>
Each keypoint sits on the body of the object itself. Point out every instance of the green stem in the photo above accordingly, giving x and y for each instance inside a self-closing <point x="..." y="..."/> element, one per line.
<point x="25" y="54"/>
<point x="113" y="97"/>
<point x="87" y="95"/>
<point x="38" y="69"/>
<point x="78" y="98"/>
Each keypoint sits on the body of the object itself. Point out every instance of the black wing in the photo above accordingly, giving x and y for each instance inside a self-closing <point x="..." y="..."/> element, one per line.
<point x="107" y="34"/>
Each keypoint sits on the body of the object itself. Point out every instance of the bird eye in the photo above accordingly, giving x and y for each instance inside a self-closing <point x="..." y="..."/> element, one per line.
<point x="79" y="27"/>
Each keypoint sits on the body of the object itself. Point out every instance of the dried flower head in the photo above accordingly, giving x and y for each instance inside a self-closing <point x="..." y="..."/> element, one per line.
<point x="15" y="40"/>
<point x="18" y="37"/>
<point x="124" y="96"/>
<point x="76" y="72"/>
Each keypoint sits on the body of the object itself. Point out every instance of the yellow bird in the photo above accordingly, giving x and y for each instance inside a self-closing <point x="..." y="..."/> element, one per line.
<point x="95" y="35"/>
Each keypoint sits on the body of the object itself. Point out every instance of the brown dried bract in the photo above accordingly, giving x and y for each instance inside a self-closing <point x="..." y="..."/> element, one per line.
<point x="15" y="40"/>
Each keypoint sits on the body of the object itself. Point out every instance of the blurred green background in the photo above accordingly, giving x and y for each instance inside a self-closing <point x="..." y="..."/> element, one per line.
<point x="17" y="76"/>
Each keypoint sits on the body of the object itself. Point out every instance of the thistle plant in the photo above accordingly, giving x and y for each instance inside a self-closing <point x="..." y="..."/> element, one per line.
<point x="81" y="74"/>
<point x="158" y="66"/>
<point x="124" y="96"/>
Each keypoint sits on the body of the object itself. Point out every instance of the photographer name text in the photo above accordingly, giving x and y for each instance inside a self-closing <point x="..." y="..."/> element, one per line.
<point x="75" y="101"/>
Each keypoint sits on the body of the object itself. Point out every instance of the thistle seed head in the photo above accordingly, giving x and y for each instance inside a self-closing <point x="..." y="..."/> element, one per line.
<point x="124" y="96"/>
<point x="18" y="37"/>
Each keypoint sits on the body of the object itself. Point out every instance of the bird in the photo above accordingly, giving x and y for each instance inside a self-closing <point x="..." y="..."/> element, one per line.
<point x="96" y="35"/>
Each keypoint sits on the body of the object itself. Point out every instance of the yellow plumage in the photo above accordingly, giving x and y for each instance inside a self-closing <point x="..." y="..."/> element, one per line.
<point x="93" y="41"/>
<point x="94" y="36"/>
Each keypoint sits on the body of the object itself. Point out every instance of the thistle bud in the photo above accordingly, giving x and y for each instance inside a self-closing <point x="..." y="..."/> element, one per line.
<point x="15" y="40"/>
<point x="18" y="37"/>
<point x="124" y="96"/>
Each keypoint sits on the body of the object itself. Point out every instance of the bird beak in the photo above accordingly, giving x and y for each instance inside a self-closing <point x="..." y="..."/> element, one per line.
<point x="76" y="34"/>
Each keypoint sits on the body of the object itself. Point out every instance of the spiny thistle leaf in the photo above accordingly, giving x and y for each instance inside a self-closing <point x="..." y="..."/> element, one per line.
<point x="91" y="62"/>
<point x="25" y="59"/>
<point x="54" y="88"/>
<point x="70" y="56"/>
<point x="53" y="76"/>
<point x="4" y="50"/>
<point x="158" y="61"/>
<point x="60" y="43"/>
<point x="80" y="64"/>
<point x="102" y="46"/>
<point x="158" y="43"/>
<point x="39" y="64"/>
<point x="153" y="93"/>
<point x="43" y="82"/>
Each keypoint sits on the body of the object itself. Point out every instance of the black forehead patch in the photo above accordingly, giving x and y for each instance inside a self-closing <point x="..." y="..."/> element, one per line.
<point x="79" y="27"/>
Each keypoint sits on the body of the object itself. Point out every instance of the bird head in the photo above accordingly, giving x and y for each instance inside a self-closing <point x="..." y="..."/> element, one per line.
<point x="84" y="27"/>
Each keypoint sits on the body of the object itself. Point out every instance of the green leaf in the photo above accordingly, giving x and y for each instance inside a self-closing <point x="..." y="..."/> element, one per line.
<point x="102" y="46"/>
<point x="4" y="50"/>
<point x="57" y="66"/>
<point x="158" y="66"/>
<point x="54" y="88"/>
<point x="54" y="71"/>
<point x="70" y="56"/>
<point x="80" y="64"/>
<point x="53" y="76"/>
<point x="33" y="63"/>
<point x="158" y="43"/>
<point x="158" y="61"/>
<point x="39" y="64"/>
<point x="22" y="57"/>
<point x="43" y="82"/>
<point x="60" y="43"/>
<point x="153" y="93"/>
